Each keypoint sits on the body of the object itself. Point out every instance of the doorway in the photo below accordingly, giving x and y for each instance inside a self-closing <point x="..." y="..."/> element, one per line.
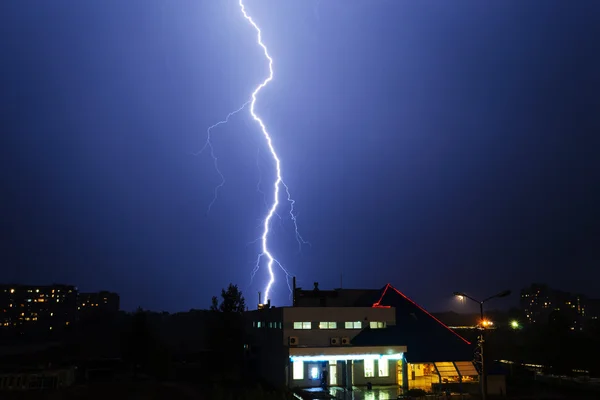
<point x="333" y="381"/>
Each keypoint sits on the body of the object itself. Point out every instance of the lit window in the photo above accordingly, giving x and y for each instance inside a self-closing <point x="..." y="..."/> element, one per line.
<point x="384" y="367"/>
<point x="377" y="324"/>
<point x="314" y="372"/>
<point x="327" y="325"/>
<point x="369" y="368"/>
<point x="353" y="325"/>
<point x="280" y="325"/>
<point x="302" y="325"/>
<point x="259" y="324"/>
<point x="298" y="369"/>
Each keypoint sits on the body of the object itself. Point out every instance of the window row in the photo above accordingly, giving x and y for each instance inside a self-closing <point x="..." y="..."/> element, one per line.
<point x="372" y="368"/>
<point x="322" y="325"/>
<point x="262" y="324"/>
<point x="383" y="368"/>
<point x="334" y="325"/>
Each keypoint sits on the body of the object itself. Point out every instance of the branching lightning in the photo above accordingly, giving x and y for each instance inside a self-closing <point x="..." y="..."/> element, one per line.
<point x="208" y="144"/>
<point x="278" y="184"/>
<point x="279" y="179"/>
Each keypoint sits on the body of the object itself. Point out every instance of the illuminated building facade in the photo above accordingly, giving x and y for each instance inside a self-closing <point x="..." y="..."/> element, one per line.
<point x="102" y="302"/>
<point x="541" y="304"/>
<point x="360" y="337"/>
<point x="37" y="309"/>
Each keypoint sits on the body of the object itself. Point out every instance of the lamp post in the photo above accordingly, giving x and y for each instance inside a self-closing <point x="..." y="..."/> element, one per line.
<point x="481" y="340"/>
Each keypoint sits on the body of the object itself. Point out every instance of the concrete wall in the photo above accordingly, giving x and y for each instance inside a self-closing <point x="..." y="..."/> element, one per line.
<point x="267" y="356"/>
<point x="321" y="337"/>
<point x="268" y="332"/>
<point x="334" y="298"/>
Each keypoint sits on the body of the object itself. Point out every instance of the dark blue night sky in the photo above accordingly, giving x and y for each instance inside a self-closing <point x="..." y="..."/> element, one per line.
<point x="439" y="146"/>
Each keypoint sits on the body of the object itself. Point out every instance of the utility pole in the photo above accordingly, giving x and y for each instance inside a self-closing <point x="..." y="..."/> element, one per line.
<point x="479" y="352"/>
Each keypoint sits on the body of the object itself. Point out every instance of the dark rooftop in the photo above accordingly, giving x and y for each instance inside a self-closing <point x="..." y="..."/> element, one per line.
<point x="427" y="338"/>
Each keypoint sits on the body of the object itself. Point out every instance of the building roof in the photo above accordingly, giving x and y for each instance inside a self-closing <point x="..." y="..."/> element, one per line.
<point x="427" y="338"/>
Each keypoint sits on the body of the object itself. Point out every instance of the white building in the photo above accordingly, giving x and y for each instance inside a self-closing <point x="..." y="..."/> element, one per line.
<point x="370" y="336"/>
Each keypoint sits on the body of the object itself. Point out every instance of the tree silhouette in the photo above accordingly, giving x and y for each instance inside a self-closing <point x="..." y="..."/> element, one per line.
<point x="232" y="301"/>
<point x="227" y="330"/>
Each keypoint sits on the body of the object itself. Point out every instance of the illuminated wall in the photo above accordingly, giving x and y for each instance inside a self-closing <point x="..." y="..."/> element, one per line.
<point x="316" y="336"/>
<point x="373" y="371"/>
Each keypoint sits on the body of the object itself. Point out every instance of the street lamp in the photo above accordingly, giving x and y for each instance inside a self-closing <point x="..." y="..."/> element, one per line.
<point x="481" y="341"/>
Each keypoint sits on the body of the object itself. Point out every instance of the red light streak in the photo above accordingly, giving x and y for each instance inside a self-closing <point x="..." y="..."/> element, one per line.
<point x="379" y="305"/>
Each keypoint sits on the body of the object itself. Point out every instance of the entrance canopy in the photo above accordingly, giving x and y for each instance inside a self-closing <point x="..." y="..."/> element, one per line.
<point x="347" y="353"/>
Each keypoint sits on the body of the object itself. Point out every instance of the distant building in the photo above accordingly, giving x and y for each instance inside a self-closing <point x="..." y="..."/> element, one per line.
<point x="592" y="310"/>
<point x="102" y="302"/>
<point x="542" y="304"/>
<point x="358" y="337"/>
<point x="32" y="309"/>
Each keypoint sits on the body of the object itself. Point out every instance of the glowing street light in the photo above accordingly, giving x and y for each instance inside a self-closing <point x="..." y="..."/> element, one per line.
<point x="514" y="324"/>
<point x="484" y="324"/>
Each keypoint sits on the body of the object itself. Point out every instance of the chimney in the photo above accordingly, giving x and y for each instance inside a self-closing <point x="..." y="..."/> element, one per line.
<point x="316" y="287"/>
<point x="293" y="291"/>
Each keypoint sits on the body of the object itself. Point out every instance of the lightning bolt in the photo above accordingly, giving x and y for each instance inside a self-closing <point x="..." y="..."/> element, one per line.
<point x="278" y="185"/>
<point x="208" y="144"/>
<point x="265" y="252"/>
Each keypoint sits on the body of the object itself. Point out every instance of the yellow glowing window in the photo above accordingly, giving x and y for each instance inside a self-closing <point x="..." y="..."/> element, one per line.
<point x="466" y="368"/>
<point x="446" y="369"/>
<point x="298" y="369"/>
<point x="384" y="367"/>
<point x="353" y="325"/>
<point x="377" y="324"/>
<point x="302" y="325"/>
<point x="369" y="368"/>
<point x="327" y="325"/>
